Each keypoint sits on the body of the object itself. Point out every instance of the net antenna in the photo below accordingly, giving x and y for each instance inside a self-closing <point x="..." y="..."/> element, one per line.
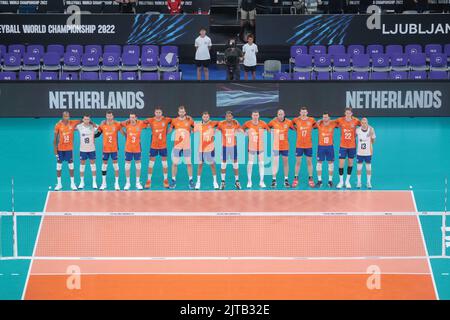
<point x="14" y="222"/>
<point x="445" y="229"/>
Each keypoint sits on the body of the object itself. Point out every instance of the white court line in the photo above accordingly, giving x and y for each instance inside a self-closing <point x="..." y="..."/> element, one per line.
<point x="225" y="191"/>
<point x="223" y="273"/>
<point x="35" y="246"/>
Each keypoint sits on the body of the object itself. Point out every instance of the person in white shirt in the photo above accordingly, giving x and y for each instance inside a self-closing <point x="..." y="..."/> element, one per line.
<point x="365" y="135"/>
<point x="202" y="58"/>
<point x="250" y="49"/>
<point x="87" y="130"/>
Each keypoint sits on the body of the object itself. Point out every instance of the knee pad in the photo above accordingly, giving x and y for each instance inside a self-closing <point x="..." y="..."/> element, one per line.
<point x="359" y="166"/>
<point x="138" y="166"/>
<point x="58" y="166"/>
<point x="82" y="166"/>
<point x="93" y="167"/>
<point x="115" y="166"/>
<point x="235" y="165"/>
<point x="319" y="166"/>
<point x="104" y="166"/>
<point x="71" y="165"/>
<point x="331" y="166"/>
<point x="250" y="163"/>
<point x="151" y="163"/>
<point x="368" y="167"/>
<point x="164" y="164"/>
<point x="223" y="165"/>
<point x="127" y="165"/>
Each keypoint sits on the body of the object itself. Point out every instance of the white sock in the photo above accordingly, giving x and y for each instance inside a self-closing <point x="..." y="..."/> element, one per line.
<point x="117" y="179"/>
<point x="137" y="180"/>
<point x="261" y="172"/>
<point x="104" y="179"/>
<point x="190" y="178"/>
<point x="72" y="180"/>
<point x="319" y="178"/>
<point x="58" y="179"/>
<point x="369" y="178"/>
<point x="128" y="180"/>
<point x="222" y="176"/>
<point x="285" y="177"/>
<point x="358" y="176"/>
<point x="198" y="178"/>
<point x="249" y="173"/>
<point x="341" y="179"/>
<point x="81" y="179"/>
<point x="236" y="178"/>
<point x="94" y="177"/>
<point x="347" y="179"/>
<point x="330" y="178"/>
<point x="149" y="176"/>
<point x="215" y="179"/>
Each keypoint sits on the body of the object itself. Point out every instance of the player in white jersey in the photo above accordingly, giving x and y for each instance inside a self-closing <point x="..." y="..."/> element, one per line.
<point x="365" y="135"/>
<point x="87" y="130"/>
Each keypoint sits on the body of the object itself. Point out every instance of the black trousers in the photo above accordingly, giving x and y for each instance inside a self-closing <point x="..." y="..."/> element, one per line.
<point x="233" y="73"/>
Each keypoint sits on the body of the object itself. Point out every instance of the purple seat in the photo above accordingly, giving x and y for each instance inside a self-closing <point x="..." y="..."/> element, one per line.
<point x="27" y="75"/>
<point x="373" y="49"/>
<point x="51" y="61"/>
<point x="341" y="63"/>
<point x="11" y="62"/>
<point x="336" y="49"/>
<point x="167" y="49"/>
<point x="36" y="49"/>
<point x="418" y="62"/>
<point x="168" y="62"/>
<point x="413" y="48"/>
<point x="282" y="76"/>
<point x="297" y="50"/>
<point x="398" y="75"/>
<point x="8" y="75"/>
<point x="417" y="75"/>
<point x="48" y="75"/>
<point x="433" y="49"/>
<point x="31" y="62"/>
<point x="68" y="76"/>
<point x="393" y="48"/>
<point x="399" y="62"/>
<point x="129" y="76"/>
<point x="2" y="51"/>
<point x="317" y="49"/>
<point x="111" y="61"/>
<point x="75" y="49"/>
<point x="112" y="48"/>
<point x="149" y="62"/>
<point x="303" y="63"/>
<point x="90" y="62"/>
<point x="56" y="48"/>
<point x="322" y="62"/>
<point x="361" y="63"/>
<point x="149" y="76"/>
<point x="438" y="75"/>
<point x="109" y="76"/>
<point x="379" y="76"/>
<point x="360" y="75"/>
<point x="340" y="76"/>
<point x="447" y="51"/>
<point x="132" y="50"/>
<point x="150" y="49"/>
<point x="322" y="76"/>
<point x="171" y="76"/>
<point x="89" y="76"/>
<point x="355" y="49"/>
<point x="301" y="76"/>
<point x="130" y="61"/>
<point x="93" y="49"/>
<point x="72" y="62"/>
<point x="18" y="49"/>
<point x="438" y="62"/>
<point x="380" y="63"/>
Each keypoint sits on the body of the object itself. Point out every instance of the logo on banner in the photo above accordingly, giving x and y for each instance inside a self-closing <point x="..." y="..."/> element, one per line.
<point x="374" y="20"/>
<point x="96" y="100"/>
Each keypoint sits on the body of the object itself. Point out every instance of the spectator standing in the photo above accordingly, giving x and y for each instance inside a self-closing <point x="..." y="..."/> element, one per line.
<point x="248" y="12"/>
<point x="233" y="56"/>
<point x="174" y="6"/>
<point x="250" y="49"/>
<point x="127" y="6"/>
<point x="202" y="57"/>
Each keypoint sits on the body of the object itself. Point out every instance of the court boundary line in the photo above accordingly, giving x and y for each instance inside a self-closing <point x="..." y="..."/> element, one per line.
<point x="224" y="191"/>
<point x="422" y="235"/>
<point x="41" y="222"/>
<point x="224" y="273"/>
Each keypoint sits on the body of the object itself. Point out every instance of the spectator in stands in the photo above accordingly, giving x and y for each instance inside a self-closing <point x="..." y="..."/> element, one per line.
<point x="174" y="6"/>
<point x="311" y="6"/>
<point x="127" y="6"/>
<point x="250" y="49"/>
<point x="248" y="12"/>
<point x="233" y="56"/>
<point x="418" y="5"/>
<point x="202" y="57"/>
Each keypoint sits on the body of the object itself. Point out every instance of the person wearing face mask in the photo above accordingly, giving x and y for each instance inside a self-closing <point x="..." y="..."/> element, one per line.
<point x="233" y="56"/>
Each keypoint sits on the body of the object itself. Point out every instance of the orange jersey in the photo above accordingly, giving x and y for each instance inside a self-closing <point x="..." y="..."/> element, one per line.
<point x="280" y="133"/>
<point x="207" y="131"/>
<point x="255" y="135"/>
<point x="304" y="131"/>
<point x="159" y="132"/>
<point x="65" y="134"/>
<point x="326" y="132"/>
<point x="182" y="132"/>
<point x="348" y="131"/>
<point x="110" y="132"/>
<point x="228" y="130"/>
<point x="133" y="134"/>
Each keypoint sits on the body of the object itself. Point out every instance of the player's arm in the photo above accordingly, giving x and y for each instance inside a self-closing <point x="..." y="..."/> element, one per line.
<point x="55" y="142"/>
<point x="98" y="133"/>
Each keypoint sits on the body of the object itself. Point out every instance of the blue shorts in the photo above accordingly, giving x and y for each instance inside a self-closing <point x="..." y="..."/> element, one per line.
<point x="87" y="155"/>
<point x="158" y="152"/>
<point x="132" y="155"/>
<point x="325" y="153"/>
<point x="366" y="159"/>
<point x="229" y="153"/>
<point x="207" y="157"/>
<point x="284" y="153"/>
<point x="107" y="155"/>
<point x="65" y="156"/>
<point x="347" y="152"/>
<point x="181" y="153"/>
<point x="303" y="151"/>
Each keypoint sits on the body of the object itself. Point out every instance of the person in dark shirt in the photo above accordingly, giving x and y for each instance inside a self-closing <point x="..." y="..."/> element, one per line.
<point x="127" y="6"/>
<point x="233" y="57"/>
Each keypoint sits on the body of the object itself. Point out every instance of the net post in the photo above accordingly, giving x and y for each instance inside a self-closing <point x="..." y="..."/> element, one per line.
<point x="444" y="218"/>
<point x="14" y="222"/>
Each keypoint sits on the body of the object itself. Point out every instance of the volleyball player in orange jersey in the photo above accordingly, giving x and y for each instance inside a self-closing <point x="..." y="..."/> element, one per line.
<point x="63" y="147"/>
<point x="347" y="149"/>
<point x="159" y="126"/>
<point x="325" y="150"/>
<point x="255" y="129"/>
<point x="304" y="126"/>
<point x="280" y="128"/>
<point x="206" y="154"/>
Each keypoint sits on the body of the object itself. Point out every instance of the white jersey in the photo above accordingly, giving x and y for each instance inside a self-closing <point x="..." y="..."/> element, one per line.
<point x="364" y="139"/>
<point x="87" y="143"/>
